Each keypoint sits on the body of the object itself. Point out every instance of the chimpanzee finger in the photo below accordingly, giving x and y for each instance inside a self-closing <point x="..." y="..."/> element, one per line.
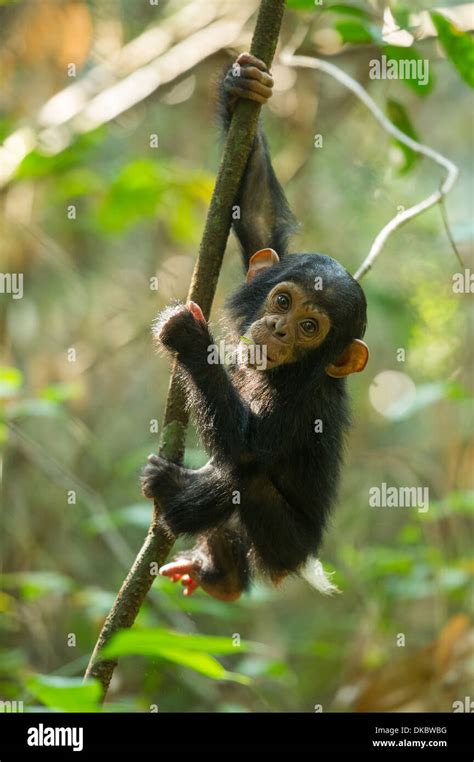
<point x="196" y="312"/>
<point x="255" y="85"/>
<point x="155" y="459"/>
<point x="250" y="73"/>
<point x="190" y="587"/>
<point x="241" y="90"/>
<point x="176" y="567"/>
<point x="248" y="58"/>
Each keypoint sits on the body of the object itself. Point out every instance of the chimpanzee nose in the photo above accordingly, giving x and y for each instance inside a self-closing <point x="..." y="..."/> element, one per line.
<point x="278" y="327"/>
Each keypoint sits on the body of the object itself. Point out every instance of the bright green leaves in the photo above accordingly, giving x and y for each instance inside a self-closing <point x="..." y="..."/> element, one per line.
<point x="135" y="193"/>
<point x="174" y="194"/>
<point x="66" y="694"/>
<point x="38" y="164"/>
<point x="11" y="380"/>
<point x="398" y="115"/>
<point x="413" y="69"/>
<point x="191" y="651"/>
<point x="354" y="32"/>
<point x="458" y="46"/>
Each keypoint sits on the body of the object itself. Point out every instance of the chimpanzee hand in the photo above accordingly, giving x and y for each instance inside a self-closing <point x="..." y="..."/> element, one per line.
<point x="247" y="78"/>
<point x="160" y="479"/>
<point x="183" y="330"/>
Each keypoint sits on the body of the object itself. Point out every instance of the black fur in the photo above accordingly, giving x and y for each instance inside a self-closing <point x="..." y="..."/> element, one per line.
<point x="266" y="219"/>
<point x="272" y="480"/>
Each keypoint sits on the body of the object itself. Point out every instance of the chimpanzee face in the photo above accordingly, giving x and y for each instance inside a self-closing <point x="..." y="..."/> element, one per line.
<point x="291" y="325"/>
<point x="290" y="317"/>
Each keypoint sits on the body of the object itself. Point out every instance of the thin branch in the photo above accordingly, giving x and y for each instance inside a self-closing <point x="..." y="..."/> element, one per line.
<point x="444" y="217"/>
<point x="452" y="171"/>
<point x="237" y="149"/>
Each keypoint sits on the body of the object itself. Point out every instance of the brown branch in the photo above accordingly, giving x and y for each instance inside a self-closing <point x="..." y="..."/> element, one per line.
<point x="444" y="217"/>
<point x="203" y="286"/>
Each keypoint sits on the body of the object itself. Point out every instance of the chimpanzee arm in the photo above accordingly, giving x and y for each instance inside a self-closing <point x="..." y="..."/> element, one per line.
<point x="266" y="220"/>
<point x="222" y="416"/>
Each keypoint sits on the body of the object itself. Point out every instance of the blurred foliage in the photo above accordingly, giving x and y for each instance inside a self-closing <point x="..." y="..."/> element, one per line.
<point x="76" y="428"/>
<point x="398" y="114"/>
<point x="459" y="46"/>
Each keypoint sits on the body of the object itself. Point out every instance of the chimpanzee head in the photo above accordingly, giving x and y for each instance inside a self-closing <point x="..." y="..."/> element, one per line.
<point x="304" y="307"/>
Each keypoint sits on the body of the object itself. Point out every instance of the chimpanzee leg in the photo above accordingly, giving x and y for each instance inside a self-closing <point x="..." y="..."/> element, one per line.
<point x="218" y="563"/>
<point x="192" y="501"/>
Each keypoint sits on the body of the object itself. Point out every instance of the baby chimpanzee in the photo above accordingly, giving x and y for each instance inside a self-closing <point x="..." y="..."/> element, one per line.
<point x="274" y="420"/>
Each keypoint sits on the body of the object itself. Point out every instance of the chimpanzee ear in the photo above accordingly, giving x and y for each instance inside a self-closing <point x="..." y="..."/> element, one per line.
<point x="353" y="360"/>
<point x="261" y="260"/>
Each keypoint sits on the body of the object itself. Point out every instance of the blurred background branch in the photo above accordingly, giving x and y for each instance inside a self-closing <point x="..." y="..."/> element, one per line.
<point x="407" y="214"/>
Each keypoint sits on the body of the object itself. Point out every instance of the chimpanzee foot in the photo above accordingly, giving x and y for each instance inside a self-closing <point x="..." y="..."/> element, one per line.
<point x="189" y="572"/>
<point x="184" y="570"/>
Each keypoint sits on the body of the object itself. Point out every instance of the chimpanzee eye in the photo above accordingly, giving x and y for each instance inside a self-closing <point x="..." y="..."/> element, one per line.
<point x="310" y="327"/>
<point x="283" y="301"/>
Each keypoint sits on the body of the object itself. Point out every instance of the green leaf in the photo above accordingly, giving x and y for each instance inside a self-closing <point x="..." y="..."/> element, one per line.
<point x="401" y="14"/>
<point x="458" y="46"/>
<point x="76" y="182"/>
<point x="410" y="534"/>
<point x="38" y="164"/>
<point x="67" y="694"/>
<point x="187" y="650"/>
<point x="413" y="65"/>
<point x="354" y="32"/>
<point x="11" y="379"/>
<point x="134" y="194"/>
<point x="302" y="5"/>
<point x="150" y="642"/>
<point x="202" y="663"/>
<point x="398" y="114"/>
<point x="348" y="10"/>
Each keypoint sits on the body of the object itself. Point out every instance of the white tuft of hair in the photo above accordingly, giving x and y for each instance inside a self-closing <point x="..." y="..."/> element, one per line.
<point x="313" y="572"/>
